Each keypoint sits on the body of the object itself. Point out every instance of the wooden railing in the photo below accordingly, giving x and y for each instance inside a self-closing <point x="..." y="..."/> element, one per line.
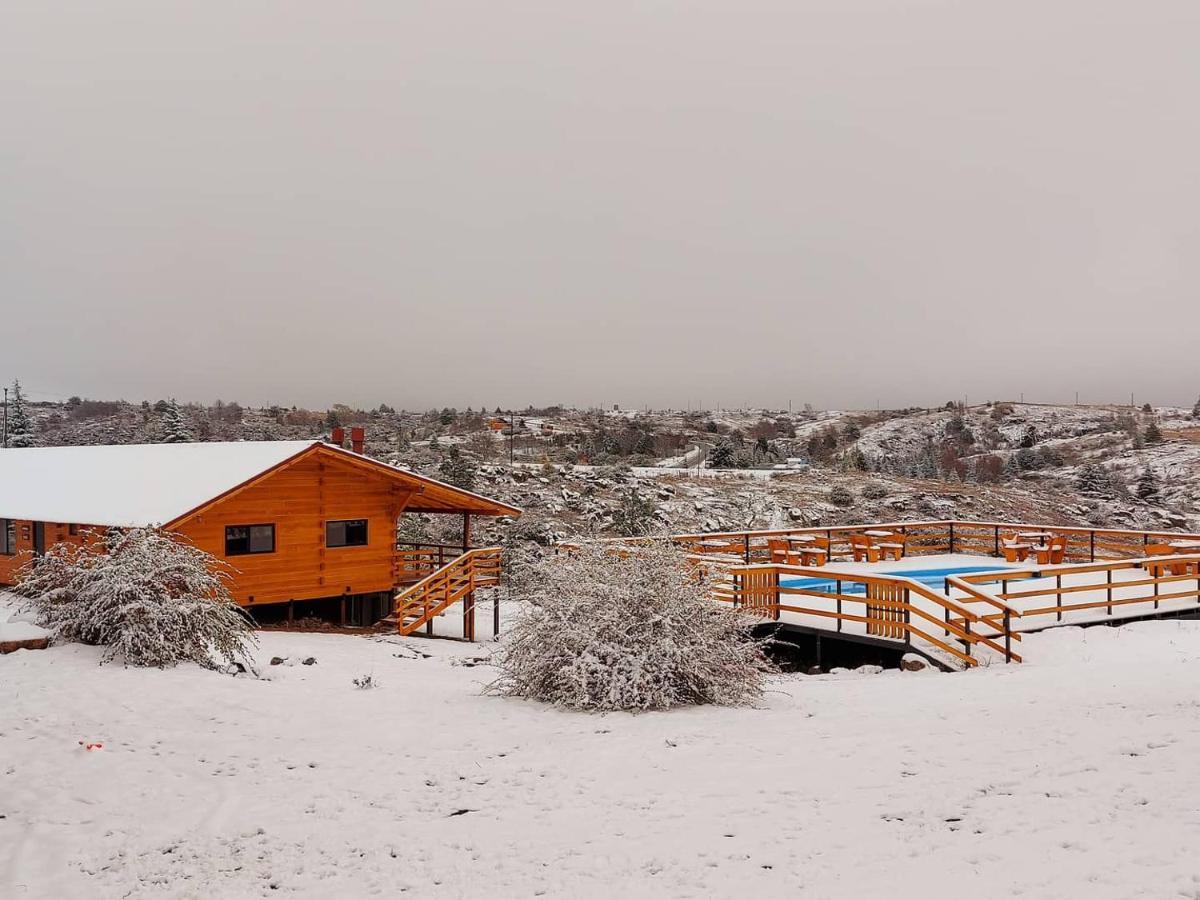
<point x="942" y="536"/>
<point x="1086" y="587"/>
<point x="456" y="581"/>
<point x="889" y="607"/>
<point x="415" y="561"/>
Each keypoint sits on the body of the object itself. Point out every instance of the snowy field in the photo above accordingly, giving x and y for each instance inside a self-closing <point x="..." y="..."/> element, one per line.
<point x="1073" y="775"/>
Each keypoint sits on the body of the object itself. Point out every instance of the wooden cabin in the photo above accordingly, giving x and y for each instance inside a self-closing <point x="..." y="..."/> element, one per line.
<point x="301" y="522"/>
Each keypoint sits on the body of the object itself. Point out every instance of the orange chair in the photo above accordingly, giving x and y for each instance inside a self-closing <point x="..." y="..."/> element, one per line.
<point x="1052" y="552"/>
<point x="892" y="546"/>
<point x="1156" y="568"/>
<point x="863" y="549"/>
<point x="780" y="552"/>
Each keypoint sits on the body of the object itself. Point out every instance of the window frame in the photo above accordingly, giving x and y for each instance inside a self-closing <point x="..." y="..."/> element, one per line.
<point x="249" y="551"/>
<point x="8" y="537"/>
<point x="366" y="533"/>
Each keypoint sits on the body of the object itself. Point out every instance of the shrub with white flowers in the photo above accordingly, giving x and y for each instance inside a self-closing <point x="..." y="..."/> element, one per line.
<point x="147" y="596"/>
<point x="602" y="631"/>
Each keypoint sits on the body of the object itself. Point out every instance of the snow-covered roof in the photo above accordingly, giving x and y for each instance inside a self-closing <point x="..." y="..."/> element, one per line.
<point x="129" y="485"/>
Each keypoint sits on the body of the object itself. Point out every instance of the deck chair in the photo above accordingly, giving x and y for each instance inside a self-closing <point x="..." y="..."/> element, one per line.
<point x="892" y="546"/>
<point x="780" y="554"/>
<point x="1058" y="550"/>
<point x="863" y="549"/>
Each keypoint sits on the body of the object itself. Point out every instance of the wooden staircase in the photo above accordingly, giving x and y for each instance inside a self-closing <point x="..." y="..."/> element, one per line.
<point x="454" y="582"/>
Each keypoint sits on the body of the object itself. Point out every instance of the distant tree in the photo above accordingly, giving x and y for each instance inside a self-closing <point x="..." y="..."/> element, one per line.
<point x="332" y="419"/>
<point x="457" y="470"/>
<point x="637" y="515"/>
<point x="1147" y="408"/>
<point x="1153" y="434"/>
<point x="841" y="496"/>
<point x="1029" y="438"/>
<point x="1147" y="485"/>
<point x="1093" y="479"/>
<point x="175" y="428"/>
<point x="1196" y="410"/>
<point x="722" y="455"/>
<point x="20" y="428"/>
<point x="851" y="432"/>
<point x="989" y="468"/>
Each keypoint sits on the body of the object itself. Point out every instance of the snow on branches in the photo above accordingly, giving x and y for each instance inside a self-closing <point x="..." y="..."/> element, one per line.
<point x="145" y="595"/>
<point x="602" y="632"/>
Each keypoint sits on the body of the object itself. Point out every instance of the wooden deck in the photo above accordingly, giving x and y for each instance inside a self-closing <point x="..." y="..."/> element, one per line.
<point x="973" y="617"/>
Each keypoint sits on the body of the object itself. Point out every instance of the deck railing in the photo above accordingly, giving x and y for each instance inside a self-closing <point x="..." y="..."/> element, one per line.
<point x="1081" y="588"/>
<point x="889" y="607"/>
<point x="416" y="561"/>
<point x="415" y="606"/>
<point x="941" y="536"/>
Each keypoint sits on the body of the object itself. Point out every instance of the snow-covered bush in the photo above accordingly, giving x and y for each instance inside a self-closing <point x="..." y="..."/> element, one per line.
<point x="145" y="595"/>
<point x="874" y="490"/>
<point x="841" y="496"/>
<point x="602" y="631"/>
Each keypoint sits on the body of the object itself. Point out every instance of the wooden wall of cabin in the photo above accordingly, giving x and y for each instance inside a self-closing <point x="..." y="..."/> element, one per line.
<point x="56" y="532"/>
<point x="298" y="500"/>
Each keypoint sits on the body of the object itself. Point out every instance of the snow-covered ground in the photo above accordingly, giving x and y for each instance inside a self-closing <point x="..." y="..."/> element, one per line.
<point x="1072" y="775"/>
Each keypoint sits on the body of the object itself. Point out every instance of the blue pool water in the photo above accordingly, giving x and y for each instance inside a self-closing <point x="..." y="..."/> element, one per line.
<point x="934" y="578"/>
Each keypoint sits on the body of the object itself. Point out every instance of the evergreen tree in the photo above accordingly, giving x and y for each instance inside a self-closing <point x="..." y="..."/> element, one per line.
<point x="457" y="470"/>
<point x="721" y="456"/>
<point x="20" y="428"/>
<point x="175" y="425"/>
<point x="1093" y="479"/>
<point x="1196" y="410"/>
<point x="1147" y="485"/>
<point x="1153" y="434"/>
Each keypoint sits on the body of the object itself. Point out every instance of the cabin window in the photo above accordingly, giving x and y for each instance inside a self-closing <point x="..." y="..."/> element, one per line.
<point x="73" y="530"/>
<point x="8" y="537"/>
<point x="346" y="533"/>
<point x="241" y="540"/>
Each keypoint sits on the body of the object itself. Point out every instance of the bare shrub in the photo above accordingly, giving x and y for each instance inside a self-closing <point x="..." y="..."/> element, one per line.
<point x="601" y="631"/>
<point x="144" y="594"/>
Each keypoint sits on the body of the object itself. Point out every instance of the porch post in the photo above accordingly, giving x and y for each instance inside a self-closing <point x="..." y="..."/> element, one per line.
<point x="466" y="532"/>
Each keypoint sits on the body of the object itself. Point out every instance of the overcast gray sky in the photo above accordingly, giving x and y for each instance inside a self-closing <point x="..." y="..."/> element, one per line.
<point x="839" y="202"/>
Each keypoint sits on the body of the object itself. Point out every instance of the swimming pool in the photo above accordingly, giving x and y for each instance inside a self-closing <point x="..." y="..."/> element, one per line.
<point x="934" y="578"/>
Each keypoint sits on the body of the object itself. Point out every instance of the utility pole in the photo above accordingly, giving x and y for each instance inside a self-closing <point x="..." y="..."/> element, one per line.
<point x="512" y="435"/>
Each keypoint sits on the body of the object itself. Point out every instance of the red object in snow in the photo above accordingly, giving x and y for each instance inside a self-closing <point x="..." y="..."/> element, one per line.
<point x="91" y="745"/>
<point x="357" y="436"/>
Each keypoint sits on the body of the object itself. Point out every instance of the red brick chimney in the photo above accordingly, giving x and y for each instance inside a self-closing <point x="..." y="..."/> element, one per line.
<point x="339" y="437"/>
<point x="357" y="437"/>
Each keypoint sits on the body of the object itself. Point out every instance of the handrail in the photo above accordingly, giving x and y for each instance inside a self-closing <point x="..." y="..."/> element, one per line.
<point x="417" y="604"/>
<point x="924" y="536"/>
<point x="758" y="588"/>
<point x="1155" y="566"/>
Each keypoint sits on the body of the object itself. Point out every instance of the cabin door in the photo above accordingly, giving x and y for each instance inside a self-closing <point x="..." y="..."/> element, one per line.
<point x="39" y="539"/>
